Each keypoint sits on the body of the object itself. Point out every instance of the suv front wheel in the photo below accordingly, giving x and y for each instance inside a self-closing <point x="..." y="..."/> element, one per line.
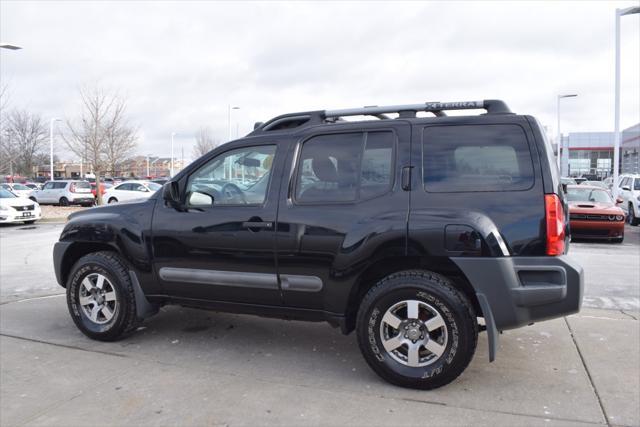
<point x="100" y="297"/>
<point x="415" y="329"/>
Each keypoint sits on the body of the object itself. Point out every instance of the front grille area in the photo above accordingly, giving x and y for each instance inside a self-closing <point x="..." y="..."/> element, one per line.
<point x="592" y="217"/>
<point x="24" y="208"/>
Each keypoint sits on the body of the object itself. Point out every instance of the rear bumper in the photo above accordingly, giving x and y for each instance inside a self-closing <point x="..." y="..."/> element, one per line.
<point x="522" y="290"/>
<point x="83" y="199"/>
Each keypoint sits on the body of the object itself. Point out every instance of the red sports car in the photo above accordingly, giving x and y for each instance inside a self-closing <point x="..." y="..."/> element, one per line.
<point x="593" y="214"/>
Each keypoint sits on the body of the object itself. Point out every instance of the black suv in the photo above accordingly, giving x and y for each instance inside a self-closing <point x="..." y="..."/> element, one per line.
<point x="415" y="230"/>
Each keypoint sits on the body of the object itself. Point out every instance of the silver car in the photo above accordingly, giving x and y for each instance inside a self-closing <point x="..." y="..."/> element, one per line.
<point x="65" y="193"/>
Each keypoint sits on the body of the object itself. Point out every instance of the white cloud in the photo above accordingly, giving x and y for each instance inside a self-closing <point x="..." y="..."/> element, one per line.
<point x="182" y="63"/>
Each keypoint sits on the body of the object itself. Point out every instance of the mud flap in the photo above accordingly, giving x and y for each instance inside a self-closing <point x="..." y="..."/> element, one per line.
<point x="492" y="331"/>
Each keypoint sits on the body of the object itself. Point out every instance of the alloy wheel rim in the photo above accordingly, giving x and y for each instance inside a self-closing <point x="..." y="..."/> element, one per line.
<point x="414" y="333"/>
<point x="98" y="298"/>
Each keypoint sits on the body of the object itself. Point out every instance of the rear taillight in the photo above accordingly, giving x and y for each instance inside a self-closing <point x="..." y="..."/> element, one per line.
<point x="555" y="224"/>
<point x="72" y="188"/>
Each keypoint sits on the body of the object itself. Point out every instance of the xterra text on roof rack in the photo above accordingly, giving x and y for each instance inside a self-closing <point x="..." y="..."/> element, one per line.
<point x="407" y="229"/>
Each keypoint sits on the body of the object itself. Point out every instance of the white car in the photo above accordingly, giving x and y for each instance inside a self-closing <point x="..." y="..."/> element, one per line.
<point x="17" y="209"/>
<point x="65" y="193"/>
<point x="19" y="190"/>
<point x="629" y="191"/>
<point x="131" y="190"/>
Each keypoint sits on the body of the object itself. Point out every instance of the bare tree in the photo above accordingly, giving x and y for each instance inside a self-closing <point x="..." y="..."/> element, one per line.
<point x="87" y="137"/>
<point x="204" y="142"/>
<point x="121" y="138"/>
<point x="27" y="134"/>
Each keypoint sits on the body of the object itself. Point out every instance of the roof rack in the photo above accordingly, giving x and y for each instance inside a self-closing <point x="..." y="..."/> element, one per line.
<point x="309" y="118"/>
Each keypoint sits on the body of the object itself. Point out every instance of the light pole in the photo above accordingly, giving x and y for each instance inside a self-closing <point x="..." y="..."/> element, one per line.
<point x="616" y="126"/>
<point x="565" y="150"/>
<point x="51" y="146"/>
<point x="148" y="165"/>
<point x="171" y="170"/>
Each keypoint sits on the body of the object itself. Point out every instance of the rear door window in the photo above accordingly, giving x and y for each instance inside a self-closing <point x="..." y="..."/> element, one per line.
<point x="345" y="167"/>
<point x="476" y="158"/>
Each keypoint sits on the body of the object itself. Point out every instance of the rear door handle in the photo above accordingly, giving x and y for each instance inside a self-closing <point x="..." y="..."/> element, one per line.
<point x="406" y="178"/>
<point x="257" y="224"/>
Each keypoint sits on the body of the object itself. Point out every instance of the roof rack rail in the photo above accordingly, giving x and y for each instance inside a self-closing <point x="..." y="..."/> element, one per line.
<point x="493" y="106"/>
<point x="309" y="118"/>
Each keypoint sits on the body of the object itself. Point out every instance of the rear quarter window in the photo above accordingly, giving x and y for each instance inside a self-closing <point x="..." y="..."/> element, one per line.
<point x="473" y="158"/>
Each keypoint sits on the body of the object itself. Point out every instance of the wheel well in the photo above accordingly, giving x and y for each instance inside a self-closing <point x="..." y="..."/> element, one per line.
<point x="77" y="251"/>
<point x="382" y="268"/>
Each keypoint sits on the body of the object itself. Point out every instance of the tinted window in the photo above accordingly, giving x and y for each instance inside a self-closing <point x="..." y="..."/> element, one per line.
<point x="60" y="185"/>
<point x="237" y="177"/>
<point x="476" y="158"/>
<point x="82" y="184"/>
<point x="124" y="187"/>
<point x="344" y="167"/>
<point x="636" y="185"/>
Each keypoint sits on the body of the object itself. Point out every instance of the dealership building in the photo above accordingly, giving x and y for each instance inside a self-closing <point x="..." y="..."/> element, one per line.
<point x="592" y="152"/>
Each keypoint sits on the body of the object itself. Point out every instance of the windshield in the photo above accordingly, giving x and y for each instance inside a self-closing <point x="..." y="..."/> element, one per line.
<point x="588" y="195"/>
<point x="5" y="194"/>
<point x="20" y="187"/>
<point x="153" y="186"/>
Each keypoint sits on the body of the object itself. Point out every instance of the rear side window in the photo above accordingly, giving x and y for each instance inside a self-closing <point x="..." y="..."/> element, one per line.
<point x="345" y="167"/>
<point x="60" y="185"/>
<point x="636" y="186"/>
<point x="82" y="184"/>
<point x="476" y="158"/>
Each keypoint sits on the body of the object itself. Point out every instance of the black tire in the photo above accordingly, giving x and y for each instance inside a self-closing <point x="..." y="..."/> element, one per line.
<point x="33" y="199"/>
<point x="64" y="201"/>
<point x="633" y="219"/>
<point x="437" y="292"/>
<point x="618" y="239"/>
<point x="112" y="200"/>
<point x="30" y="222"/>
<point x="111" y="266"/>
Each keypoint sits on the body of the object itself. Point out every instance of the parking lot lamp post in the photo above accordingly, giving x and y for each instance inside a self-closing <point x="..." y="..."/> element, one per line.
<point x="171" y="170"/>
<point x="565" y="150"/>
<point x="51" y="145"/>
<point x="616" y="126"/>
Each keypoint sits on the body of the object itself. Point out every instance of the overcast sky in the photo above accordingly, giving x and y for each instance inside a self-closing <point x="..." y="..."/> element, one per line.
<point x="181" y="63"/>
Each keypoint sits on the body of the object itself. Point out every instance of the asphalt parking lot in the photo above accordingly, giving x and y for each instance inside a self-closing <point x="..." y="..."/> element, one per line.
<point x="204" y="368"/>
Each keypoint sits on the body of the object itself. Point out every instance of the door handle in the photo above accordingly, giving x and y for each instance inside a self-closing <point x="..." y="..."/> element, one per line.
<point x="257" y="224"/>
<point x="406" y="178"/>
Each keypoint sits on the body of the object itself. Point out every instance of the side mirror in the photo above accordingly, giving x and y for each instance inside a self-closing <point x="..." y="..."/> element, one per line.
<point x="198" y="199"/>
<point x="619" y="200"/>
<point x="170" y="193"/>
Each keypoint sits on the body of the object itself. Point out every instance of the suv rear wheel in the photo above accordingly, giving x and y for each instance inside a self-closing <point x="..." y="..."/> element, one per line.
<point x="64" y="201"/>
<point x="100" y="297"/>
<point x="633" y="219"/>
<point x="415" y="329"/>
